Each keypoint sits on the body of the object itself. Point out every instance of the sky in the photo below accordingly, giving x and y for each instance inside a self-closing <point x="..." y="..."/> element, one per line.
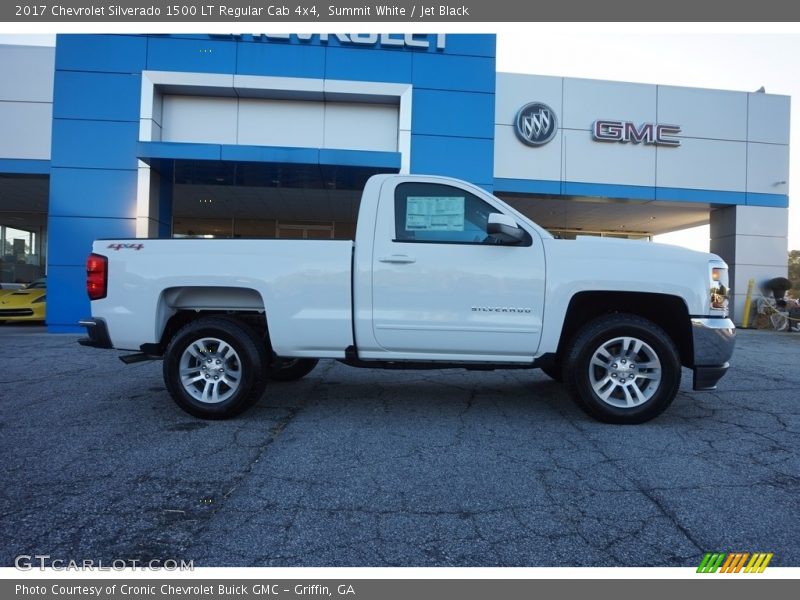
<point x="698" y="56"/>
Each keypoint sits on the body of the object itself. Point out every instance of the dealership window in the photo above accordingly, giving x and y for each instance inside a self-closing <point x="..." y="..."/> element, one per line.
<point x="19" y="259"/>
<point x="432" y="212"/>
<point x="571" y="234"/>
<point x="262" y="228"/>
<point x="304" y="231"/>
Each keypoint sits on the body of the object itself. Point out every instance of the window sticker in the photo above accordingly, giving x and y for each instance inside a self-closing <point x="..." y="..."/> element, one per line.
<point x="435" y="213"/>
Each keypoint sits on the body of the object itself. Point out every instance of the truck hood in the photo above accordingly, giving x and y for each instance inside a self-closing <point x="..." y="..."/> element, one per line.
<point x="654" y="250"/>
<point x="610" y="264"/>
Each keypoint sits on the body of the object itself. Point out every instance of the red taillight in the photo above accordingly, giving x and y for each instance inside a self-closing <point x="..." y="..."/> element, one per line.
<point x="96" y="276"/>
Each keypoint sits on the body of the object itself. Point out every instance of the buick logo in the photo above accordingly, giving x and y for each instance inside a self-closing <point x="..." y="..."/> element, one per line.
<point x="535" y="124"/>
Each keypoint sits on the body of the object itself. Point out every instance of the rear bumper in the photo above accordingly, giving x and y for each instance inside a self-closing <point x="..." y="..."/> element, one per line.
<point x="98" y="334"/>
<point x="714" y="340"/>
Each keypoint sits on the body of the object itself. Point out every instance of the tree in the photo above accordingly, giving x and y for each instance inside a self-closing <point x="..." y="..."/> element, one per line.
<point x="794" y="272"/>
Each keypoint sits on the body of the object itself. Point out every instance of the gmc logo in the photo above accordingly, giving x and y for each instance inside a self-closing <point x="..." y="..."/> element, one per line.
<point x="655" y="134"/>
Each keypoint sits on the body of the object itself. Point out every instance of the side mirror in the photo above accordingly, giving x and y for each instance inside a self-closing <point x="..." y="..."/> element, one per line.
<point x="504" y="229"/>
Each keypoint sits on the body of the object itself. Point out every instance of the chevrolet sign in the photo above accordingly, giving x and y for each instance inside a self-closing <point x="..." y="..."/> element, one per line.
<point x="391" y="40"/>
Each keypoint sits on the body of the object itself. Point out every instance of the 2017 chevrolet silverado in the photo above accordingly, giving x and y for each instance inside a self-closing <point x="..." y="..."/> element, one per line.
<point x="441" y="274"/>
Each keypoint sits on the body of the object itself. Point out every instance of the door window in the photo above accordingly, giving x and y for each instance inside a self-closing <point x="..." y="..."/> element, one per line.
<point x="432" y="212"/>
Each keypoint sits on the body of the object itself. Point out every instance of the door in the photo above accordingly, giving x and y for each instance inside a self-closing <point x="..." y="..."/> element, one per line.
<point x="443" y="288"/>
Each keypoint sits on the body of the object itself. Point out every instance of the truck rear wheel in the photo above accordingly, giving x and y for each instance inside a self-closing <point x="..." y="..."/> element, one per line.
<point x="622" y="368"/>
<point x="291" y="369"/>
<point x="213" y="368"/>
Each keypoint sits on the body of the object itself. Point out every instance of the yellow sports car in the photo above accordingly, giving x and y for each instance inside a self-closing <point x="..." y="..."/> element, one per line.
<point x="26" y="304"/>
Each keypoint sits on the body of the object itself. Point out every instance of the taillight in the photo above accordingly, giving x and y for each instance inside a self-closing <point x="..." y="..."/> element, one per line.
<point x="96" y="276"/>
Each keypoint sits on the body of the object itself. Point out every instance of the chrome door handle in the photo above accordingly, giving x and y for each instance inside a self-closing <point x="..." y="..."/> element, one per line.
<point x="397" y="259"/>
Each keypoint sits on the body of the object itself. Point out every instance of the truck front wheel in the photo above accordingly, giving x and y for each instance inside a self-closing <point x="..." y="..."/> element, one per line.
<point x="622" y="368"/>
<point x="213" y="368"/>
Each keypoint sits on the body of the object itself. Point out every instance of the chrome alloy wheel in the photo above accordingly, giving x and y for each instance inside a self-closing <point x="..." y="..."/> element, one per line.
<point x="625" y="372"/>
<point x="210" y="370"/>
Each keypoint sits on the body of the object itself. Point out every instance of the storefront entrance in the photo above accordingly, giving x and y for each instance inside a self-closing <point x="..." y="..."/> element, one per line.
<point x="23" y="227"/>
<point x="266" y="200"/>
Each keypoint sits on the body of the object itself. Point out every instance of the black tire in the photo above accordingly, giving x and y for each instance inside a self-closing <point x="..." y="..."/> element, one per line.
<point x="654" y="369"/>
<point x="240" y="364"/>
<point x="291" y="369"/>
<point x="553" y="371"/>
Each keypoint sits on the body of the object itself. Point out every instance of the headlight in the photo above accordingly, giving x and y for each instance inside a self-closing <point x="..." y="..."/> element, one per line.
<point x="42" y="299"/>
<point x="719" y="288"/>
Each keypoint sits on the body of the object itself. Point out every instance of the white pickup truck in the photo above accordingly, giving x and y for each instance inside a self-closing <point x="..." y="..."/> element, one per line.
<point x="441" y="275"/>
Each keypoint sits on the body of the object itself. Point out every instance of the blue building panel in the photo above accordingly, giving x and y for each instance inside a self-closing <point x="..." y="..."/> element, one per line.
<point x="527" y="186"/>
<point x="774" y="200"/>
<point x="457" y="73"/>
<point x="24" y="166"/>
<point x="70" y="238"/>
<point x="471" y="44"/>
<point x="97" y="96"/>
<point x="104" y="53"/>
<point x="280" y="60"/>
<point x="147" y="150"/>
<point x="360" y="158"/>
<point x="267" y="154"/>
<point x="469" y="159"/>
<point x="103" y="192"/>
<point x="456" y="114"/>
<point x="635" y="192"/>
<point x="368" y="65"/>
<point x="274" y="154"/>
<point x="191" y="55"/>
<point x="164" y="216"/>
<point x="605" y="190"/>
<point x="67" y="301"/>
<point x="696" y="195"/>
<point x="94" y="144"/>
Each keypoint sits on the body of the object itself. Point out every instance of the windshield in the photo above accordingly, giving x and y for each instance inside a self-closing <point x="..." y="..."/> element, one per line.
<point x="37" y="284"/>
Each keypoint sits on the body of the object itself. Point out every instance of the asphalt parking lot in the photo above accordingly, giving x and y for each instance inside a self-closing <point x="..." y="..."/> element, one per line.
<point x="388" y="468"/>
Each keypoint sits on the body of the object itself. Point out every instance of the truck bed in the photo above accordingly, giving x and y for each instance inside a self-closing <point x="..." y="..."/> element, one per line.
<point x="303" y="285"/>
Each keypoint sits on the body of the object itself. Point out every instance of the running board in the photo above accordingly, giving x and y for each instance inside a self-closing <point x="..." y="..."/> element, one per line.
<point x="351" y="359"/>
<point x="130" y="359"/>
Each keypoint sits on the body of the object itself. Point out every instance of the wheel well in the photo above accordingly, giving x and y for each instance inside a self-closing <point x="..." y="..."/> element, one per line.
<point x="669" y="312"/>
<point x="180" y="305"/>
<point x="256" y="320"/>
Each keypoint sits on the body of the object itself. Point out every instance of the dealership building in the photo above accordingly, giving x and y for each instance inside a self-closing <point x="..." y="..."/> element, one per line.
<point x="274" y="136"/>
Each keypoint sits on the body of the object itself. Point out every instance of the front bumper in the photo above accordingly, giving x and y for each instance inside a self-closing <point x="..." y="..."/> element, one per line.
<point x="714" y="340"/>
<point x="98" y="334"/>
<point x="30" y="312"/>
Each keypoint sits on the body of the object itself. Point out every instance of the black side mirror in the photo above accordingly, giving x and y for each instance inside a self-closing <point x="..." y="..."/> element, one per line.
<point x="504" y="229"/>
